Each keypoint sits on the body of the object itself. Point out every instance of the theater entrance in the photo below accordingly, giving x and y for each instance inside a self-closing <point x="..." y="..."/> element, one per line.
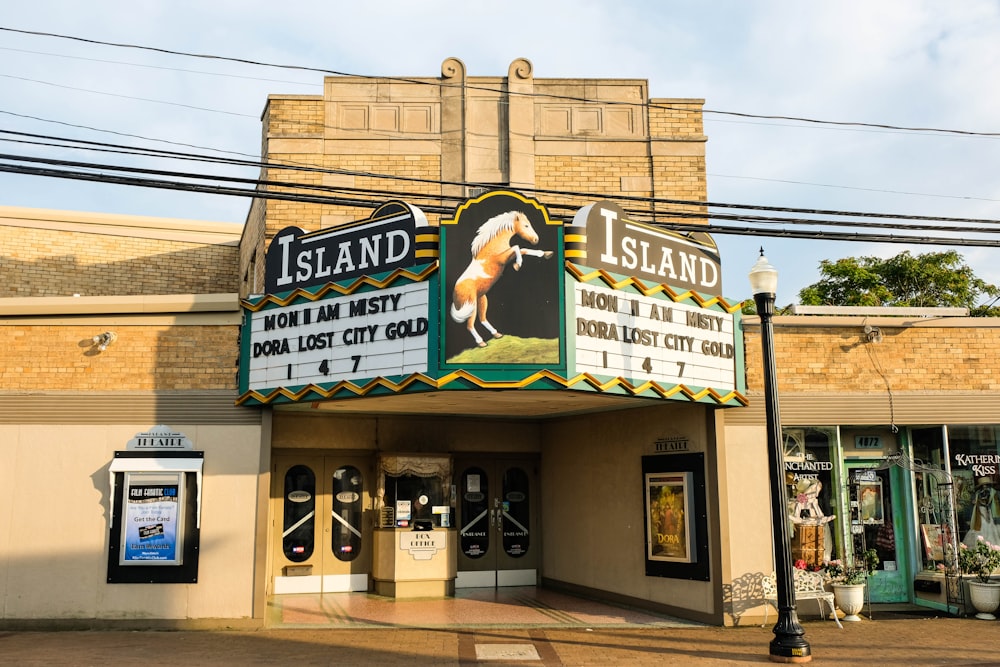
<point x="497" y="509"/>
<point x="321" y="511"/>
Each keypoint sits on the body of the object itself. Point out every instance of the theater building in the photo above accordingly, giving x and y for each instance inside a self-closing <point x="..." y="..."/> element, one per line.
<point x="445" y="385"/>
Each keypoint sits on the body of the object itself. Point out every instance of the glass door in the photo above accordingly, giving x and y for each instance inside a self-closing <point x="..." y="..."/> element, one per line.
<point x="321" y="507"/>
<point x="496" y="518"/>
<point x="878" y="522"/>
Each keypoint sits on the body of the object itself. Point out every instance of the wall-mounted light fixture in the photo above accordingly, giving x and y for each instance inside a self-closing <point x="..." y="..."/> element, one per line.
<point x="873" y="334"/>
<point x="103" y="340"/>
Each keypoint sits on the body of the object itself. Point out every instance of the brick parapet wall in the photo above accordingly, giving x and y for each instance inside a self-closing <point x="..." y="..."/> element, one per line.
<point x="52" y="262"/>
<point x="676" y="118"/>
<point x="957" y="357"/>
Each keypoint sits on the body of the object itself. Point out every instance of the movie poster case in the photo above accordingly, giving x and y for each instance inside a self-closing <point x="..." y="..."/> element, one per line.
<point x="668" y="497"/>
<point x="676" y="516"/>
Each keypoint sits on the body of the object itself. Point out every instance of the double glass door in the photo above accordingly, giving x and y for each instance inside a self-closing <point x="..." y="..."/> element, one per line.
<point x="321" y="510"/>
<point x="496" y="505"/>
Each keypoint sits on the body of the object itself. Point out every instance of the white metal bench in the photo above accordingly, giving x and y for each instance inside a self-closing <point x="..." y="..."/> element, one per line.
<point x="808" y="586"/>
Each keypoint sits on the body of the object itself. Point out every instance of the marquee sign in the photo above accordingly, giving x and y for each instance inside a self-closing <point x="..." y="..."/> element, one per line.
<point x="498" y="296"/>
<point x="385" y="241"/>
<point x="340" y="338"/>
<point x="652" y="338"/>
<point x="603" y="237"/>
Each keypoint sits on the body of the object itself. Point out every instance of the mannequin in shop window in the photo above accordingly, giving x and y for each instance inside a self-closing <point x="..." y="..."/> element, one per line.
<point x="985" y="514"/>
<point x="811" y="535"/>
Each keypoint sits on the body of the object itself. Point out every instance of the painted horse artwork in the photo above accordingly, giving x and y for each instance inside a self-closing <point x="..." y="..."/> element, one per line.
<point x="491" y="253"/>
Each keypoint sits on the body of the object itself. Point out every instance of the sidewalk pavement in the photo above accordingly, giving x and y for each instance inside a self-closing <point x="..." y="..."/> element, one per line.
<point x="888" y="640"/>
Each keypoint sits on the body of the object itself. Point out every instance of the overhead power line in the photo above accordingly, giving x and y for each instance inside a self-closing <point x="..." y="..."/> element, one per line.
<point x="259" y="164"/>
<point x="377" y="197"/>
<point x="327" y="71"/>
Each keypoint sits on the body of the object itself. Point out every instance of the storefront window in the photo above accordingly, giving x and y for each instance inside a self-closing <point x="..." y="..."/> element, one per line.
<point x="975" y="459"/>
<point x="809" y="479"/>
<point x="933" y="495"/>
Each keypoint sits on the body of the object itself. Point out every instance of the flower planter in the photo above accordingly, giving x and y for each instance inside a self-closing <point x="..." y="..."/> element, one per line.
<point x="850" y="599"/>
<point x="985" y="598"/>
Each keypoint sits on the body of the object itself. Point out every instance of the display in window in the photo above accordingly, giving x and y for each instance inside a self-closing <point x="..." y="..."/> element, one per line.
<point x="935" y="537"/>
<point x="985" y="514"/>
<point x="810" y="534"/>
<point x="870" y="501"/>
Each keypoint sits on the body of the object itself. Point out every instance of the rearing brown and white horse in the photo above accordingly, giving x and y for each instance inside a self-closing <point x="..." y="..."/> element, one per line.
<point x="491" y="252"/>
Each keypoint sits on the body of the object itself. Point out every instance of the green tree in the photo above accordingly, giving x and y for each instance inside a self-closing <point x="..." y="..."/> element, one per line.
<point x="933" y="279"/>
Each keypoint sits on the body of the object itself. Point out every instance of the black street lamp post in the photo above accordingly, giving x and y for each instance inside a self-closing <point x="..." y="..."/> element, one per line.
<point x="789" y="643"/>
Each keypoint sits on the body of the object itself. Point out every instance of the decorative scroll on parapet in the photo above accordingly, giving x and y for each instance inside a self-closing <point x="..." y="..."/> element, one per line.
<point x="521" y="69"/>
<point x="453" y="68"/>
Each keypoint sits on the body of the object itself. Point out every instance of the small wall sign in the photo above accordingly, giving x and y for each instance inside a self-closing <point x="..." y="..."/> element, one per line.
<point x="868" y="442"/>
<point x="422" y="545"/>
<point x="672" y="444"/>
<point x="159" y="437"/>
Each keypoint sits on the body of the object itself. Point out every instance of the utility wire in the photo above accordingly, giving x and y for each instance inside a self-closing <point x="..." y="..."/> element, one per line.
<point x="220" y="150"/>
<point x="150" y="152"/>
<point x="326" y="71"/>
<point x="373" y="203"/>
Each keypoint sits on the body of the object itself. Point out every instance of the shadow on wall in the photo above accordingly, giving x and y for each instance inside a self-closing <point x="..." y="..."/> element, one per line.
<point x="742" y="595"/>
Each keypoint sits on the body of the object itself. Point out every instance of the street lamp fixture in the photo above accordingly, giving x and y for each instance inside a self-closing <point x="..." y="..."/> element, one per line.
<point x="789" y="643"/>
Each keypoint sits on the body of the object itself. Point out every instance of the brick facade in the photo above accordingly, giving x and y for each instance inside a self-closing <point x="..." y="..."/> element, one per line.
<point x="914" y="355"/>
<point x="67" y="277"/>
<point x="143" y="357"/>
<point x="48" y="253"/>
<point x="603" y="138"/>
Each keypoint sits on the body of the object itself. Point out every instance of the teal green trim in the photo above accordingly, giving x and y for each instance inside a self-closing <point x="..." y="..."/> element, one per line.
<point x="243" y="371"/>
<point x="931" y="604"/>
<point x="739" y="343"/>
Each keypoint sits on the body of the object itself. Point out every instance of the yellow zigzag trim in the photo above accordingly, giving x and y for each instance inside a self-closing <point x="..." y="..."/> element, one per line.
<point x="462" y="375"/>
<point x="614" y="283"/>
<point x="398" y="274"/>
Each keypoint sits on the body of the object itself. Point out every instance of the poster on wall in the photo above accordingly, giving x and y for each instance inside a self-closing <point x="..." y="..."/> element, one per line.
<point x="676" y="516"/>
<point x="667" y="497"/>
<point x="870" y="499"/>
<point x="151" y="532"/>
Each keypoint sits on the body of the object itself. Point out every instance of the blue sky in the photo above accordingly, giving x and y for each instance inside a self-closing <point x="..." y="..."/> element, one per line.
<point x="894" y="62"/>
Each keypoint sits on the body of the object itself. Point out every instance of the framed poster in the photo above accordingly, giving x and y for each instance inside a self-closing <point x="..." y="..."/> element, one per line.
<point x="870" y="501"/>
<point x="152" y="528"/>
<point x="155" y="517"/>
<point x="668" y="501"/>
<point x="676" y="517"/>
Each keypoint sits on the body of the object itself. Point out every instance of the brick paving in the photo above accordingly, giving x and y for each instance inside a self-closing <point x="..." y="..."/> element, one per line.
<point x="891" y="639"/>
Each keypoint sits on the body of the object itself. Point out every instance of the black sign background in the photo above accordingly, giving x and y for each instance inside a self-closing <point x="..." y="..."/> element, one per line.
<point x="330" y="241"/>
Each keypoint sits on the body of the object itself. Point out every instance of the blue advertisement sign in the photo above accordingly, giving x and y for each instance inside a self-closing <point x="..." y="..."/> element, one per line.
<point x="151" y="527"/>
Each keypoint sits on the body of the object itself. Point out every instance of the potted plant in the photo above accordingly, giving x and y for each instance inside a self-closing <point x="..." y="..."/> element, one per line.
<point x="980" y="561"/>
<point x="849" y="583"/>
